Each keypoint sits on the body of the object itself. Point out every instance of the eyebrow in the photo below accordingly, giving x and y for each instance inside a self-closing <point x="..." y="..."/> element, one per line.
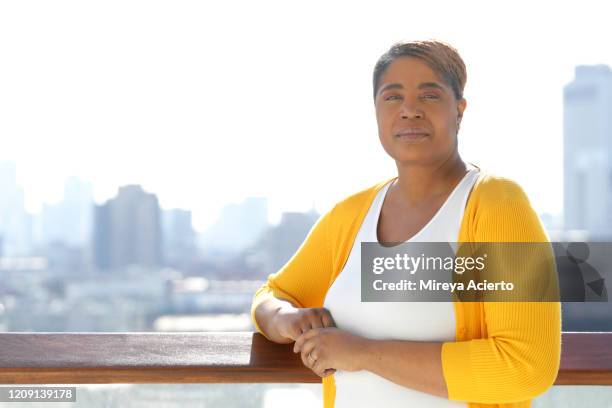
<point x="422" y="85"/>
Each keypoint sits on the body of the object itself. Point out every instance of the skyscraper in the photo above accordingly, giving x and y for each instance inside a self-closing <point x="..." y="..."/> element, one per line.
<point x="179" y="236"/>
<point x="102" y="236"/>
<point x="238" y="226"/>
<point x="128" y="230"/>
<point x="69" y="221"/>
<point x="587" y="162"/>
<point x="15" y="223"/>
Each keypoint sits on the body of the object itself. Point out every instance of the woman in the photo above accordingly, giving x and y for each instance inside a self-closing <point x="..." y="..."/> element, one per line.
<point x="440" y="354"/>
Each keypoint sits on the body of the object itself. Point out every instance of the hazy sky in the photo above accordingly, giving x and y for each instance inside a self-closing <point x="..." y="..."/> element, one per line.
<point x="205" y="103"/>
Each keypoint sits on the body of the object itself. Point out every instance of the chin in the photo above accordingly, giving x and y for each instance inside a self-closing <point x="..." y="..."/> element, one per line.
<point x="413" y="158"/>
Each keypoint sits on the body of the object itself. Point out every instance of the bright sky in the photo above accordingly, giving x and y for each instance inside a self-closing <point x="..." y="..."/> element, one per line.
<point x="206" y="103"/>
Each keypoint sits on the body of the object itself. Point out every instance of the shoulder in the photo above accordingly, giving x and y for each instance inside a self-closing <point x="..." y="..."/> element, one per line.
<point x="348" y="213"/>
<point x="499" y="210"/>
<point x="356" y="202"/>
<point x="491" y="189"/>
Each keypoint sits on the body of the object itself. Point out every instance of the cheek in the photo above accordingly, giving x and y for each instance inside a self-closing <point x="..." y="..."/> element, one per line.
<point x="384" y="119"/>
<point x="443" y="122"/>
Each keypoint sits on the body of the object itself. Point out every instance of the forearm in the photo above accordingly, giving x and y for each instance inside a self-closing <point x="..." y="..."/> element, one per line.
<point x="412" y="364"/>
<point x="265" y="314"/>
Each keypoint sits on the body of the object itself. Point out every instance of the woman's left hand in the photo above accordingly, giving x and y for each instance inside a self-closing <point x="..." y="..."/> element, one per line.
<point x="327" y="349"/>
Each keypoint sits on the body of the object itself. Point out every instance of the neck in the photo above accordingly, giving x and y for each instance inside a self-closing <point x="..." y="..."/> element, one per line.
<point x="419" y="183"/>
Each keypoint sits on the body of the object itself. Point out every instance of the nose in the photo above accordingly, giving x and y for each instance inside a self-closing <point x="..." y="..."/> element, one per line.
<point x="409" y="111"/>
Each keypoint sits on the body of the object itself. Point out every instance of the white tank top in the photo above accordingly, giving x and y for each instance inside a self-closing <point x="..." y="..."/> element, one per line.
<point x="418" y="321"/>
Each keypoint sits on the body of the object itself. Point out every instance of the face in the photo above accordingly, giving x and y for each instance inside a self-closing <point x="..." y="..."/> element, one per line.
<point x="417" y="113"/>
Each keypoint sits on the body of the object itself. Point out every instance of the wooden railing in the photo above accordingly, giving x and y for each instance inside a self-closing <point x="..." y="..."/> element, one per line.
<point x="94" y="358"/>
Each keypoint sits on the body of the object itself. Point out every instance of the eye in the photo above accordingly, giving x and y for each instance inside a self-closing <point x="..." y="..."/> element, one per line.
<point x="431" y="96"/>
<point x="392" y="97"/>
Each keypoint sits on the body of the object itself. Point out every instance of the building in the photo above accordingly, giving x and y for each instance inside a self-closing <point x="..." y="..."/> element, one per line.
<point x="70" y="220"/>
<point x="238" y="227"/>
<point x="15" y="223"/>
<point x="587" y="142"/>
<point x="280" y="242"/>
<point x="127" y="230"/>
<point x="179" y="237"/>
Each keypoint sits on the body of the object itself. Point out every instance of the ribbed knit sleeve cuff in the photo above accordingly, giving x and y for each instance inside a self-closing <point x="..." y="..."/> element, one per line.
<point x="456" y="366"/>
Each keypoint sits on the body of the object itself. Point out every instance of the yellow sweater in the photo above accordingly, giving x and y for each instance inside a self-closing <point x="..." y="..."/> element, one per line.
<point x="506" y="353"/>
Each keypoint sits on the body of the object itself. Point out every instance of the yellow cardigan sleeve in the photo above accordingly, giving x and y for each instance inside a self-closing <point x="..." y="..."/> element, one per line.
<point x="519" y="357"/>
<point x="305" y="278"/>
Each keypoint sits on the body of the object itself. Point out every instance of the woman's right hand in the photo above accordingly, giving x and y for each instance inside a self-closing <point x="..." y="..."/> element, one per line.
<point x="291" y="322"/>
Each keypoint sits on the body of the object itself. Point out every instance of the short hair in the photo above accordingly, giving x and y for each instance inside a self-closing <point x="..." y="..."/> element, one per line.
<point x="441" y="57"/>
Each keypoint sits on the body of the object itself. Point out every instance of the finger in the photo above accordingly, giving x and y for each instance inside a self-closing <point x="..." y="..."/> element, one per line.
<point x="307" y="355"/>
<point x="294" y="331"/>
<point x="316" y="322"/>
<point x="297" y="346"/>
<point x="319" y="368"/>
<point x="320" y="318"/>
<point x="302" y="338"/>
<point x="307" y="360"/>
<point x="308" y="351"/>
<point x="301" y="327"/>
<point x="328" y="321"/>
<point x="305" y="325"/>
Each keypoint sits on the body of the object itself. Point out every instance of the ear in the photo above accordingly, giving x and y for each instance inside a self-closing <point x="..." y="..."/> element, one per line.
<point x="461" y="105"/>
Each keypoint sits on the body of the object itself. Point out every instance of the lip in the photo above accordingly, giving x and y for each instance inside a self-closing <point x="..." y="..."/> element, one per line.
<point x="412" y="133"/>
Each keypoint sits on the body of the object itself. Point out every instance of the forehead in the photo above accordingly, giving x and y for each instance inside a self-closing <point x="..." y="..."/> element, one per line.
<point x="410" y="72"/>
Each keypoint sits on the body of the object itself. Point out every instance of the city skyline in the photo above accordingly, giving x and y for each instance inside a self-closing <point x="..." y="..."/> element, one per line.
<point x="128" y="227"/>
<point x="71" y="181"/>
<point x="184" y="112"/>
